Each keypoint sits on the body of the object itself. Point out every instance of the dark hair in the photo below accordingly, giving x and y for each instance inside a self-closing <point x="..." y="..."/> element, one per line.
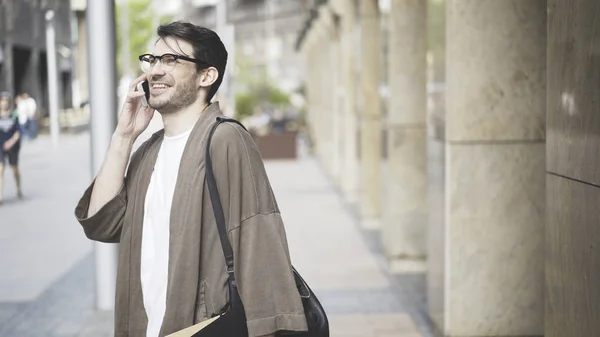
<point x="207" y="45"/>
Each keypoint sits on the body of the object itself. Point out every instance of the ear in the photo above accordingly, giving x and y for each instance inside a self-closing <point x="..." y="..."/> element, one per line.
<point x="208" y="77"/>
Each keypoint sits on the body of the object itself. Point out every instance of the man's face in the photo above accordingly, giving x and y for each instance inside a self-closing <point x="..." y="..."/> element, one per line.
<point x="178" y="88"/>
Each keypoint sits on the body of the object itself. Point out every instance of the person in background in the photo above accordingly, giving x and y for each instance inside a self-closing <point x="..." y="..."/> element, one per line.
<point x="10" y="142"/>
<point x="22" y="115"/>
<point x="27" y="109"/>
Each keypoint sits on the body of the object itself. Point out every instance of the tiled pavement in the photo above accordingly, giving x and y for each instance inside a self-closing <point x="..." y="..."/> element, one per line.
<point x="340" y="261"/>
<point x="45" y="285"/>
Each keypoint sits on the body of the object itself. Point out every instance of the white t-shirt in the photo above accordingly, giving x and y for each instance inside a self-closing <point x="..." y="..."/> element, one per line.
<point x="31" y="107"/>
<point x="155" y="233"/>
<point x="26" y="110"/>
<point x="23" y="112"/>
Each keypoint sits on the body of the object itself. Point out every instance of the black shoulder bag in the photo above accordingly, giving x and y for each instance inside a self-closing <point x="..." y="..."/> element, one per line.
<point x="232" y="322"/>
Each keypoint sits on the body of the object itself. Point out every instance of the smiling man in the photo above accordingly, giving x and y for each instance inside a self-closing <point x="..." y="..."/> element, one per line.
<point x="172" y="272"/>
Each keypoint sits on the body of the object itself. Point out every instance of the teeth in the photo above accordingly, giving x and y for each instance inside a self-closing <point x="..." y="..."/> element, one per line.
<point x="159" y="86"/>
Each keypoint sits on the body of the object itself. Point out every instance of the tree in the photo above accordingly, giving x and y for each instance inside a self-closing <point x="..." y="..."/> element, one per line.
<point x="245" y="104"/>
<point x="141" y="30"/>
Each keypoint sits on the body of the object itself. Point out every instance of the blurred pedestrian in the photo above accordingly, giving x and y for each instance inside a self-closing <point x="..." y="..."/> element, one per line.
<point x="10" y="142"/>
<point x="27" y="112"/>
<point x="22" y="115"/>
<point x="172" y="270"/>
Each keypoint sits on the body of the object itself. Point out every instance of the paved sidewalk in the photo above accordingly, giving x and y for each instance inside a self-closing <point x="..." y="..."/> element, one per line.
<point x="41" y="244"/>
<point x="341" y="262"/>
<point x="48" y="284"/>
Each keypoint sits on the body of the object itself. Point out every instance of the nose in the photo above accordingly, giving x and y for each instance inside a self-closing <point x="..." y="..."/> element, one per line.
<point x="157" y="70"/>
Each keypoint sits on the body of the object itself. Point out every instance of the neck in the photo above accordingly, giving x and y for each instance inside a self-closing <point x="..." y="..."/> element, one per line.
<point x="180" y="121"/>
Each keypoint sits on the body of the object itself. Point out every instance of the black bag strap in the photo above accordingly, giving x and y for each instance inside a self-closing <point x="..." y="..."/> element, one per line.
<point x="216" y="201"/>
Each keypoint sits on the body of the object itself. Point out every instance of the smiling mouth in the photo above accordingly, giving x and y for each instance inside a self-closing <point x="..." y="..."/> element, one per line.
<point x="159" y="86"/>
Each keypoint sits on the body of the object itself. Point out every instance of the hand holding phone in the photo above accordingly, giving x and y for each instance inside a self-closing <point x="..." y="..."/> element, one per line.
<point x="136" y="113"/>
<point x="145" y="87"/>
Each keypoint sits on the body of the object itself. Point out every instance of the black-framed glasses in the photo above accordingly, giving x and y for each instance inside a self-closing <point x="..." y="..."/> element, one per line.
<point x="169" y="61"/>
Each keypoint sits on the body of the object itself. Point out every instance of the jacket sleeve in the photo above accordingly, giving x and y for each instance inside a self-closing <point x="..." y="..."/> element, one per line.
<point x="264" y="274"/>
<point x="106" y="224"/>
<point x="256" y="231"/>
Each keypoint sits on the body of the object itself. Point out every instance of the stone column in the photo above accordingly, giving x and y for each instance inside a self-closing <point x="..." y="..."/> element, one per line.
<point x="335" y="99"/>
<point x="349" y="174"/>
<point x="337" y="112"/>
<point x="311" y="92"/>
<point x="82" y="57"/>
<point x="318" y="66"/>
<point x="404" y="216"/>
<point x="320" y="120"/>
<point x="495" y="163"/>
<point x="370" y="142"/>
<point x="436" y="144"/>
<point x="326" y="28"/>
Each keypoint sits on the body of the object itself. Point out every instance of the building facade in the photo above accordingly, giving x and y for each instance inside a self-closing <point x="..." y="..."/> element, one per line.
<point x="264" y="33"/>
<point x="23" y="48"/>
<point x="490" y="186"/>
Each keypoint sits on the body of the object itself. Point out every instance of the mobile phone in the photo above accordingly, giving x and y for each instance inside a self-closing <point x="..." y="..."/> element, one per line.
<point x="145" y="87"/>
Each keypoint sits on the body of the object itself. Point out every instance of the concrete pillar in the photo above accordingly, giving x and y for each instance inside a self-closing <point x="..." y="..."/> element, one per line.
<point x="312" y="88"/>
<point x="349" y="157"/>
<point x="306" y="57"/>
<point x="495" y="163"/>
<point x="330" y="109"/>
<point x="337" y="106"/>
<point x="370" y="142"/>
<point x="318" y="118"/>
<point x="333" y="107"/>
<point x="82" y="57"/>
<point x="326" y="31"/>
<point x="103" y="120"/>
<point x="404" y="216"/>
<point x="436" y="144"/>
<point x="321" y="49"/>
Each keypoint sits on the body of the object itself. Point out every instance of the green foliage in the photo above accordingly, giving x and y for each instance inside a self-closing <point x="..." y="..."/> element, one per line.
<point x="245" y="104"/>
<point x="165" y="19"/>
<point x="261" y="94"/>
<point x="269" y="94"/>
<point x="277" y="97"/>
<point x="141" y="30"/>
<point x="254" y="88"/>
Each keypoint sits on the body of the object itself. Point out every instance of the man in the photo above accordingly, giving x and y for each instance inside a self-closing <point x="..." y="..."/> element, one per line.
<point x="22" y="115"/>
<point x="172" y="271"/>
<point x="10" y="142"/>
<point x="27" y="108"/>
